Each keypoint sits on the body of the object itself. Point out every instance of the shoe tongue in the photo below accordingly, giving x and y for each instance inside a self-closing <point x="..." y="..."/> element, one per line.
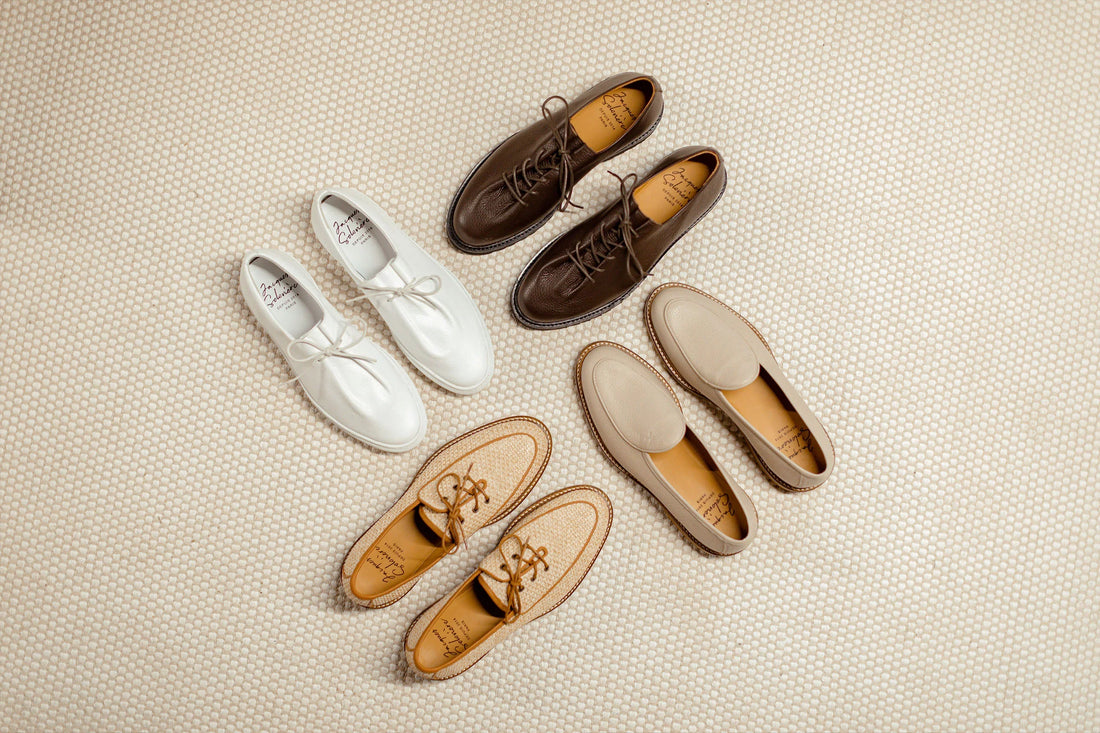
<point x="323" y="332"/>
<point x="582" y="154"/>
<point x="435" y="520"/>
<point x="497" y="590"/>
<point x="384" y="277"/>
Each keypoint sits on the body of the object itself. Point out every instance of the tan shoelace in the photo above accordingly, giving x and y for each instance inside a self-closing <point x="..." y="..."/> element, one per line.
<point x="608" y="238"/>
<point x="463" y="489"/>
<point x="524" y="176"/>
<point x="526" y="558"/>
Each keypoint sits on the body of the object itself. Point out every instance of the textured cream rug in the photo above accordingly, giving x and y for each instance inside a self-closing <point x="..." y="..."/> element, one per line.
<point x="913" y="220"/>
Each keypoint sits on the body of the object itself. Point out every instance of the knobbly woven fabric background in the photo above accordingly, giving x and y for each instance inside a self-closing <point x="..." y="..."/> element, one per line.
<point x="912" y="220"/>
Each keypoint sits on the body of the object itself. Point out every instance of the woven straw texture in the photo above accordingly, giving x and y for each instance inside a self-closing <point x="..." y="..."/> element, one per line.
<point x="913" y="221"/>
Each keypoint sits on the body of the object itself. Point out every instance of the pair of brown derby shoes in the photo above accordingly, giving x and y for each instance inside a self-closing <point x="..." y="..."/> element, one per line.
<point x="593" y="267"/>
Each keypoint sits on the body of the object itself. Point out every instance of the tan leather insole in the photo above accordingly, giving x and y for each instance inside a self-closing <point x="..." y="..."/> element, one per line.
<point x="468" y="618"/>
<point x="761" y="404"/>
<point x="661" y="196"/>
<point x="688" y="470"/>
<point x="604" y="120"/>
<point x="400" y="553"/>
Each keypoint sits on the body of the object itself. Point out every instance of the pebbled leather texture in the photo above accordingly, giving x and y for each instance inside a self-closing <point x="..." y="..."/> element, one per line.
<point x="553" y="292"/>
<point x="373" y="398"/>
<point x="571" y="525"/>
<point x="485" y="216"/>
<point x="443" y="333"/>
<point x="729" y="353"/>
<point x="509" y="454"/>
<point x="607" y="408"/>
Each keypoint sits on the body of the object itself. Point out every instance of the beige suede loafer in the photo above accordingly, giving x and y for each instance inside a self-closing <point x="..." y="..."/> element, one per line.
<point x="543" y="556"/>
<point x="475" y="480"/>
<point x="638" y="423"/>
<point x="712" y="351"/>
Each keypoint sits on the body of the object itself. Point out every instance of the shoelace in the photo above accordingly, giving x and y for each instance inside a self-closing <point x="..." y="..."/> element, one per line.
<point x="603" y="244"/>
<point x="421" y="288"/>
<point x="519" y="181"/>
<point x="526" y="557"/>
<point x="304" y="351"/>
<point x="466" y="489"/>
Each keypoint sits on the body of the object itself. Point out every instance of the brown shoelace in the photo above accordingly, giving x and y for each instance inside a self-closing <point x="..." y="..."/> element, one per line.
<point x="610" y="238"/>
<point x="526" y="558"/>
<point x="465" y="490"/>
<point x="521" y="179"/>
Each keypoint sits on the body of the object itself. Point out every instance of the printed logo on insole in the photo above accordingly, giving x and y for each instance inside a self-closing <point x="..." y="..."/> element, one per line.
<point x="615" y="112"/>
<point x="453" y="634"/>
<point x="714" y="507"/>
<point x="388" y="559"/>
<point x="677" y="188"/>
<point x="355" y="230"/>
<point x="793" y="441"/>
<point x="279" y="294"/>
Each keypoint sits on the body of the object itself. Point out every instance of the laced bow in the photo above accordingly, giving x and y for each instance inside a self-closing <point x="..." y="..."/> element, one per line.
<point x="609" y="238"/>
<point x="463" y="490"/>
<point x="303" y="351"/>
<point x="524" y="176"/>
<point x="526" y="558"/>
<point x="421" y="288"/>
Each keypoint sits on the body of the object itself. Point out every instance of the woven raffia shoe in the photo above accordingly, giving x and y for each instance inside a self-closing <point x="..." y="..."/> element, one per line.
<point x="475" y="480"/>
<point x="541" y="559"/>
<point x="636" y="419"/>
<point x="714" y="352"/>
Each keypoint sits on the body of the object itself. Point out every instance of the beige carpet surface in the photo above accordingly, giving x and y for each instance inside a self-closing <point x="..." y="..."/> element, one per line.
<point x="913" y="220"/>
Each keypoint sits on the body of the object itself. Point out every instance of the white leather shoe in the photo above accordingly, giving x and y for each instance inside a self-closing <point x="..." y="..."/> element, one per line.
<point x="350" y="380"/>
<point x="434" y="321"/>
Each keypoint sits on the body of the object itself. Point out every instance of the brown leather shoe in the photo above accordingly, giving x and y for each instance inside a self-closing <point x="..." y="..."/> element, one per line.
<point x="517" y="187"/>
<point x="590" y="269"/>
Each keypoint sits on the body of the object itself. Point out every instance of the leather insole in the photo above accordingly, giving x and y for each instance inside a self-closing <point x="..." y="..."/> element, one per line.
<point x="404" y="549"/>
<point x="356" y="236"/>
<point x="464" y="621"/>
<point x="689" y="470"/>
<point x="284" y="298"/>
<point x="661" y="196"/>
<point x="764" y="407"/>
<point x="601" y="122"/>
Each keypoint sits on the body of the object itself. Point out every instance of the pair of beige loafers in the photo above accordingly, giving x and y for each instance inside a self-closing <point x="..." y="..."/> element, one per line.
<point x="638" y="422"/>
<point x="473" y="482"/>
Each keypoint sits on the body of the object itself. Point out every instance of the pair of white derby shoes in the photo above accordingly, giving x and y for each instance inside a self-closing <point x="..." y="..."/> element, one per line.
<point x="353" y="382"/>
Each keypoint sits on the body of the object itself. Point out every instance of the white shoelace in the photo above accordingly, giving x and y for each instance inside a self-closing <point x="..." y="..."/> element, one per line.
<point x="305" y="352"/>
<point x="421" y="288"/>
